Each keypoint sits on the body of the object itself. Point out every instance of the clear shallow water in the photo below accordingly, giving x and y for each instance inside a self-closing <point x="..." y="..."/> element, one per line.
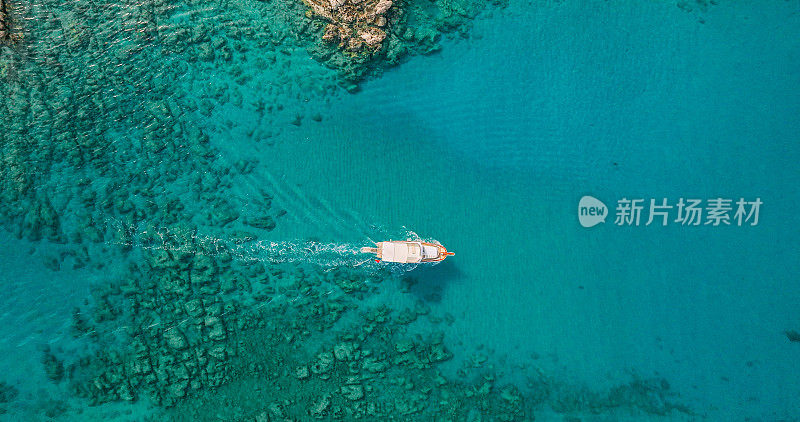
<point x="487" y="147"/>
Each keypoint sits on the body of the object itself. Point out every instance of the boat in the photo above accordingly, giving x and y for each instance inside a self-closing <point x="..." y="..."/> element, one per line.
<point x="408" y="251"/>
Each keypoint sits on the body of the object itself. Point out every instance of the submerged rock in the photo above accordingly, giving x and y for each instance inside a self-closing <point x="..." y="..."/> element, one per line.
<point x="374" y="365"/>
<point x="7" y="392"/>
<point x="53" y="367"/>
<point x="175" y="339"/>
<point x="264" y="222"/>
<point x="403" y="346"/>
<point x="319" y="406"/>
<point x="205" y="52"/>
<point x="352" y="392"/>
<point x="344" y="351"/>
<point x="218" y="352"/>
<point x="301" y="372"/>
<point x="323" y="364"/>
<point x="194" y="308"/>
<point x="438" y="353"/>
<point x="216" y="330"/>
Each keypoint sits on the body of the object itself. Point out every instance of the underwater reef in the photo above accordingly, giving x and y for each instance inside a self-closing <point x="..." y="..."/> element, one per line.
<point x="200" y="328"/>
<point x="108" y="111"/>
<point x="209" y="337"/>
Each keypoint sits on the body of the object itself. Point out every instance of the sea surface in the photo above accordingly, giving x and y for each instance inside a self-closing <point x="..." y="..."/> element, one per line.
<point x="487" y="146"/>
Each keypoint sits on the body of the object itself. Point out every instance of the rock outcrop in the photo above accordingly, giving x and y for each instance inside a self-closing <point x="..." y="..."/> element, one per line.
<point x="4" y="26"/>
<point x="356" y="26"/>
<point x="9" y="34"/>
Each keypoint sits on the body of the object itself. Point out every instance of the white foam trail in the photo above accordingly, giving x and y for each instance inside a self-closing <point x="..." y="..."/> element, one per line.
<point x="322" y="254"/>
<point x="328" y="255"/>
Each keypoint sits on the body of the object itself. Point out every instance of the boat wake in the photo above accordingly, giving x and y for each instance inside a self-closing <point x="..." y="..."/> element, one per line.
<point x="327" y="255"/>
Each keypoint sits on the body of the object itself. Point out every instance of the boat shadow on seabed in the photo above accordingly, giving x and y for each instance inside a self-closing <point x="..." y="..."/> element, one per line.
<point x="431" y="280"/>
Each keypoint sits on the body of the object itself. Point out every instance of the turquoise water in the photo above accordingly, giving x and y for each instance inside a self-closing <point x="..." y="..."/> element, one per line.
<point x="514" y="133"/>
<point x="517" y="124"/>
<point x="487" y="146"/>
